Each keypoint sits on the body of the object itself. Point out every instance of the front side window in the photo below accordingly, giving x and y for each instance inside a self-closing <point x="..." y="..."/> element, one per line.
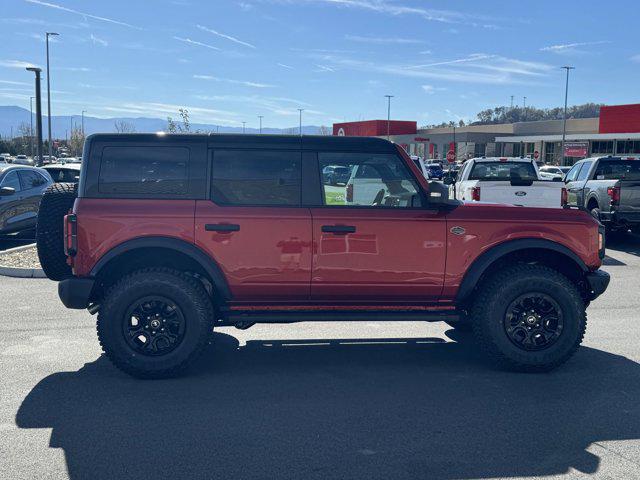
<point x="503" y="171"/>
<point x="144" y="170"/>
<point x="584" y="173"/>
<point x="374" y="180"/>
<point x="11" y="180"/>
<point x="256" y="177"/>
<point x="573" y="173"/>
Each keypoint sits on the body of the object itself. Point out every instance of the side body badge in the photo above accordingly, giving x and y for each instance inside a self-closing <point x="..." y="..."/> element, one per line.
<point x="457" y="230"/>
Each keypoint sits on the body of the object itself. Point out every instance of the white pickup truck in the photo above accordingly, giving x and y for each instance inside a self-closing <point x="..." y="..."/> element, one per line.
<point x="506" y="180"/>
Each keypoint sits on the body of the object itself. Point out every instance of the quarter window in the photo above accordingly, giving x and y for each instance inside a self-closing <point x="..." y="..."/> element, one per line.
<point x="144" y="171"/>
<point x="374" y="180"/>
<point x="256" y="177"/>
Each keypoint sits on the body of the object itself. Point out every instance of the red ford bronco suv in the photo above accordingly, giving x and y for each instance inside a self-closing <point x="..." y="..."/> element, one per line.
<point x="169" y="236"/>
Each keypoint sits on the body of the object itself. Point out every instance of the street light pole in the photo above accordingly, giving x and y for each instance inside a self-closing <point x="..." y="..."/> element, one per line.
<point x="31" y="123"/>
<point x="48" y="34"/>
<point x="564" y="115"/>
<point x="260" y="117"/>
<point x="83" y="123"/>
<point x="388" y="97"/>
<point x="243" y="124"/>
<point x="301" y="110"/>
<point x="37" y="72"/>
<point x="524" y="108"/>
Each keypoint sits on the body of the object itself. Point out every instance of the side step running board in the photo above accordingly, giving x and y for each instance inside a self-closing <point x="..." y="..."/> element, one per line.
<point x="271" y="316"/>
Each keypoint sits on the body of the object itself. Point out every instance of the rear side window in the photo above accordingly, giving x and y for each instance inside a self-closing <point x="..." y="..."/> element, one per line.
<point x="256" y="177"/>
<point x="503" y="171"/>
<point x="31" y="179"/>
<point x="618" y="170"/>
<point x="144" y="170"/>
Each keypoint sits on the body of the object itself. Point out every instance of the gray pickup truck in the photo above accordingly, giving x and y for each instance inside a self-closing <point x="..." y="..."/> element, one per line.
<point x="608" y="187"/>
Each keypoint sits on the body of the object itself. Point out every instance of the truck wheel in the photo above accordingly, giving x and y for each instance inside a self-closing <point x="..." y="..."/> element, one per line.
<point x="155" y="322"/>
<point x="529" y="318"/>
<point x="55" y="203"/>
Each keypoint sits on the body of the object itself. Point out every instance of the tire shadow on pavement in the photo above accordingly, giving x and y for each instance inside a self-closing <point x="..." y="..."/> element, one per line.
<point x="380" y="408"/>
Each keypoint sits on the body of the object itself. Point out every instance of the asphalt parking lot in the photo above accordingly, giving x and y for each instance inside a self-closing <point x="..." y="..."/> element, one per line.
<point x="358" y="400"/>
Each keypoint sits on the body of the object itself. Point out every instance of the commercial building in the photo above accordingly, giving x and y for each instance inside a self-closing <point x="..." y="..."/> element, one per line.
<point x="616" y="131"/>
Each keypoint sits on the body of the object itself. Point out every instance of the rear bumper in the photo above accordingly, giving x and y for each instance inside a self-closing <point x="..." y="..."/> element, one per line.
<point x="598" y="282"/>
<point x="621" y="218"/>
<point x="75" y="292"/>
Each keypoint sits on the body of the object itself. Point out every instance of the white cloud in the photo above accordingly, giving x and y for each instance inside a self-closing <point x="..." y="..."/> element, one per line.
<point x="636" y="58"/>
<point x="16" y="64"/>
<point x="228" y="37"/>
<point x="75" y="69"/>
<point x="98" y="41"/>
<point x="276" y="105"/>
<point x="567" y="48"/>
<point x="382" y="40"/>
<point x="194" y="42"/>
<point x="235" y="82"/>
<point x="83" y="14"/>
<point x="430" y="89"/>
<point x="11" y="82"/>
<point x="324" y="68"/>
<point x="289" y="67"/>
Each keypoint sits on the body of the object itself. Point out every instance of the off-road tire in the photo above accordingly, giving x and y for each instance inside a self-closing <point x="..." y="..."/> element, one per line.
<point x="187" y="293"/>
<point x="55" y="203"/>
<point x="491" y="303"/>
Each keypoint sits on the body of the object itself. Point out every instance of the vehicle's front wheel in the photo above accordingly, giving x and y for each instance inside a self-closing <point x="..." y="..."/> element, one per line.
<point x="529" y="318"/>
<point x="155" y="322"/>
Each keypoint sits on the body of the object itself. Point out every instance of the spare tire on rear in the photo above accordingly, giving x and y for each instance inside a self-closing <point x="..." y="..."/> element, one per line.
<point x="56" y="202"/>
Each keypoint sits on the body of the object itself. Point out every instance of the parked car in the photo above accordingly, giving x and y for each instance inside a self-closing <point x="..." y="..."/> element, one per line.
<point x="170" y="236"/>
<point x="554" y="170"/>
<point x="23" y="160"/>
<point x="334" y="175"/>
<point x="6" y="157"/>
<point x="64" y="172"/>
<point x="20" y="190"/>
<point x="435" y="170"/>
<point x="609" y="188"/>
<point x="505" y="180"/>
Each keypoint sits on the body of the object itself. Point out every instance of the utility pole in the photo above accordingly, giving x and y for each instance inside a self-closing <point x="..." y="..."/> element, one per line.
<point x="260" y="117"/>
<point x="48" y="34"/>
<point x="511" y="108"/>
<point x="31" y="123"/>
<point x="524" y="109"/>
<point x="301" y="110"/>
<point x="83" y="123"/>
<point x="564" y="115"/>
<point x="389" y="97"/>
<point x="37" y="72"/>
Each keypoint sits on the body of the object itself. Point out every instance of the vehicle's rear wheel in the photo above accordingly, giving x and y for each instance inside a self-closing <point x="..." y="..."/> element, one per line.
<point x="529" y="318"/>
<point x="155" y="322"/>
<point x="55" y="203"/>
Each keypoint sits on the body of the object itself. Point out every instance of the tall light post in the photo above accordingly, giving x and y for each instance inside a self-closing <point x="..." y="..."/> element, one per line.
<point x="524" y="108"/>
<point x="564" y="115"/>
<point x="260" y="117"/>
<point x="49" y="34"/>
<point x="37" y="72"/>
<point x="243" y="124"/>
<point x="83" y="123"/>
<point x="31" y="123"/>
<point x="389" y="97"/>
<point x="300" y="110"/>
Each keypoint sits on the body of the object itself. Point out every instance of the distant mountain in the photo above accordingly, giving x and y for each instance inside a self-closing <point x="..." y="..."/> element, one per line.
<point x="11" y="117"/>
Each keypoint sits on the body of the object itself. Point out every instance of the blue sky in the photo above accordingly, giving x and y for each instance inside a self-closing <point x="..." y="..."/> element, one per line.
<point x="229" y="61"/>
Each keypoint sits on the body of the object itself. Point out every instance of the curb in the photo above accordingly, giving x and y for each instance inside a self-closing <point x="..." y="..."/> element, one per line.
<point x="20" y="272"/>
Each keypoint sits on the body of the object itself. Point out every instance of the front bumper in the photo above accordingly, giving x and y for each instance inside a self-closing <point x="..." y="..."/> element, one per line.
<point x="75" y="292"/>
<point x="598" y="281"/>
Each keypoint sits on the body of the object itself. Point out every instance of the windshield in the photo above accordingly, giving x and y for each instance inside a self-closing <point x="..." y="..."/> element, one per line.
<point x="618" y="170"/>
<point x="503" y="171"/>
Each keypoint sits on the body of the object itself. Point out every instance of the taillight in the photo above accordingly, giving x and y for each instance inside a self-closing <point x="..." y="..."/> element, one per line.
<point x="350" y="192"/>
<point x="614" y="194"/>
<point x="70" y="235"/>
<point x="475" y="194"/>
<point x="564" y="197"/>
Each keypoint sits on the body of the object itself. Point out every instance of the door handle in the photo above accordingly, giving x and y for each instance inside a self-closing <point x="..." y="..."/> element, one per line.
<point x="339" y="229"/>
<point x="222" y="227"/>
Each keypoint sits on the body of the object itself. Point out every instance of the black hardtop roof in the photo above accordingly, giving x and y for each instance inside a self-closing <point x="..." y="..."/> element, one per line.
<point x="251" y="141"/>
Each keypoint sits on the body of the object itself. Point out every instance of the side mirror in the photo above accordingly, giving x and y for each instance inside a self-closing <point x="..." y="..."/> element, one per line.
<point x="448" y="179"/>
<point x="438" y="193"/>
<point x="7" y="191"/>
